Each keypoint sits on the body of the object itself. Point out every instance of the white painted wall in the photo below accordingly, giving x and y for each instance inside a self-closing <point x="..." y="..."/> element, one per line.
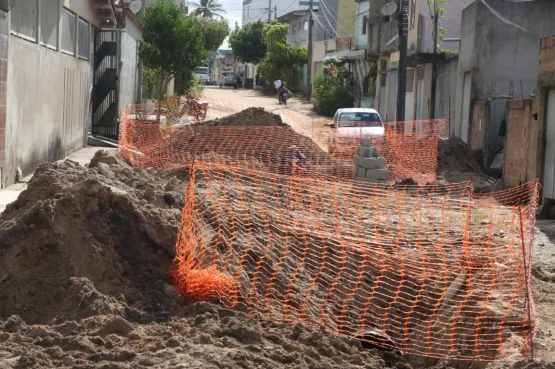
<point x="129" y="92"/>
<point x="47" y="106"/>
<point x="48" y="94"/>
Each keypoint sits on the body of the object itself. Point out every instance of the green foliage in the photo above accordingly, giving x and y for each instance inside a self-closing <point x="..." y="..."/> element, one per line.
<point x="208" y="8"/>
<point x="330" y="88"/>
<point x="248" y="43"/>
<point x="172" y="42"/>
<point x="436" y="8"/>
<point x="275" y="33"/>
<point x="215" y="31"/>
<point x="282" y="61"/>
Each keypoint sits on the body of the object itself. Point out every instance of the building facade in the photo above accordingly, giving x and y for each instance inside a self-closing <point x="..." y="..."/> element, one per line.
<point x="58" y="80"/>
<point x="383" y="46"/>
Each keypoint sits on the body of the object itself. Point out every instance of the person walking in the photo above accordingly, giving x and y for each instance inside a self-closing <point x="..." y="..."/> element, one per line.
<point x="257" y="79"/>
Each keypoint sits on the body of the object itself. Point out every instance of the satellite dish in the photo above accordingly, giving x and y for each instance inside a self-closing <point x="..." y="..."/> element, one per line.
<point x="6" y="5"/>
<point x="389" y="9"/>
<point x="135" y="6"/>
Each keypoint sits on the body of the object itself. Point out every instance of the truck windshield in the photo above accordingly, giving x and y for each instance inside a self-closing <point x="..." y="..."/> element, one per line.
<point x="360" y="120"/>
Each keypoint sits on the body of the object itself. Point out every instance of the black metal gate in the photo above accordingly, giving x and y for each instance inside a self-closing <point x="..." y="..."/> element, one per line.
<point x="105" y="91"/>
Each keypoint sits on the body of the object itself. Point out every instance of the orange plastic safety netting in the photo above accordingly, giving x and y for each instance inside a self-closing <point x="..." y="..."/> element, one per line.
<point x="410" y="148"/>
<point x="150" y="142"/>
<point x="435" y="273"/>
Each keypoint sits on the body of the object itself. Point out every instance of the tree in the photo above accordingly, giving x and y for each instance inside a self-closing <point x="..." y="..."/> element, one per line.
<point x="215" y="32"/>
<point x="282" y="61"/>
<point x="172" y="43"/>
<point x="208" y="8"/>
<point x="248" y="43"/>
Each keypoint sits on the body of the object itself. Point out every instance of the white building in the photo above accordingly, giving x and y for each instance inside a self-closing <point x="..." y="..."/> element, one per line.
<point x="64" y="69"/>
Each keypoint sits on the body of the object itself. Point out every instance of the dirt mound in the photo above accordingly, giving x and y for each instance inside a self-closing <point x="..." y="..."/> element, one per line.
<point x="208" y="337"/>
<point x="457" y="164"/>
<point x="99" y="240"/>
<point x="248" y="117"/>
<point x="455" y="156"/>
<point x="84" y="254"/>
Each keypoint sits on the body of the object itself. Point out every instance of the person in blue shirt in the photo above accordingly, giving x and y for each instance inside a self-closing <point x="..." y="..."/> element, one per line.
<point x="293" y="161"/>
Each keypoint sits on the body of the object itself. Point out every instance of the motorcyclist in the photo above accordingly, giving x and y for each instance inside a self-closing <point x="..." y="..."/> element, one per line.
<point x="281" y="87"/>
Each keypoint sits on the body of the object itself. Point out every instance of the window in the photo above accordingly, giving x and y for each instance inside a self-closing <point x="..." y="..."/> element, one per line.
<point x="364" y="25"/>
<point x="24" y="18"/>
<point x="359" y="120"/>
<point x="83" y="37"/>
<point x="68" y="32"/>
<point x="294" y="27"/>
<point x="49" y="23"/>
<point x="305" y="25"/>
<point x="413" y="14"/>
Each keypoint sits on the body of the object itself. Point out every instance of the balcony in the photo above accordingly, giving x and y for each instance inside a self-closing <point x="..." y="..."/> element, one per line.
<point x="339" y="45"/>
<point x="383" y="38"/>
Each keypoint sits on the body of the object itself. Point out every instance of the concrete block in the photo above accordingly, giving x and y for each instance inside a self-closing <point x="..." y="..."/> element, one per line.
<point x="376" y="173"/>
<point x="361" y="172"/>
<point x="366" y="142"/>
<point x="380" y="162"/>
<point x="365" y="152"/>
<point x="367" y="163"/>
<point x="376" y="152"/>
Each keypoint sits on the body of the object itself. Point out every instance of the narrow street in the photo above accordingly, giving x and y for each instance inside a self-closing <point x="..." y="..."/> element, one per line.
<point x="298" y="113"/>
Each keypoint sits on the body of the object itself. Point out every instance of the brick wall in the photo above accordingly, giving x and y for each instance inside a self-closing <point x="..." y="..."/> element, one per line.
<point x="547" y="55"/>
<point x="4" y="32"/>
<point x="521" y="144"/>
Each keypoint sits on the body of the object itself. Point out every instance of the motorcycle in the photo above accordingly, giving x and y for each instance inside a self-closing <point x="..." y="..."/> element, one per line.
<point x="283" y="95"/>
<point x="283" y="98"/>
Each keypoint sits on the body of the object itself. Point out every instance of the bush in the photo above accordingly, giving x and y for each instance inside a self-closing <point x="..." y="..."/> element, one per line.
<point x="331" y="99"/>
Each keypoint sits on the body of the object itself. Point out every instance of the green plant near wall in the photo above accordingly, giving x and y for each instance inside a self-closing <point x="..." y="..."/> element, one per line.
<point x="330" y="87"/>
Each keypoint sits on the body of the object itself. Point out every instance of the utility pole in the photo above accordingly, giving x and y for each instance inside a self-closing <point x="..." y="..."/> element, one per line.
<point x="309" y="66"/>
<point x="275" y="12"/>
<point x="435" y="62"/>
<point x="269" y="11"/>
<point x="403" y="44"/>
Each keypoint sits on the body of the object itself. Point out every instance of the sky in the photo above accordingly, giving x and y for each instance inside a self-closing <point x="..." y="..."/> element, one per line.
<point x="233" y="13"/>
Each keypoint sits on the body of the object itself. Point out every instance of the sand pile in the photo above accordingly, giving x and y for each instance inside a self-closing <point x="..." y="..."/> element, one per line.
<point x="456" y="164"/>
<point x="248" y="117"/>
<point x="84" y="255"/>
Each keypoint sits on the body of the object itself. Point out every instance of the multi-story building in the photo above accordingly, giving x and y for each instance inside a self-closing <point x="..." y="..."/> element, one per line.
<point x="383" y="46"/>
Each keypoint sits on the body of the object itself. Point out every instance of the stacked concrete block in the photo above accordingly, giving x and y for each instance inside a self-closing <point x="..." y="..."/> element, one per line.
<point x="369" y="165"/>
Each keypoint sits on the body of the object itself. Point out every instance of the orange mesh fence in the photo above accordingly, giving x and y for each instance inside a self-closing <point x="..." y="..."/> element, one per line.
<point x="151" y="136"/>
<point x="410" y="148"/>
<point x="435" y="274"/>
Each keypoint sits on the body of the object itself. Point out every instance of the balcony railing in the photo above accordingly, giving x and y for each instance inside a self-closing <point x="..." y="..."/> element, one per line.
<point x="339" y="45"/>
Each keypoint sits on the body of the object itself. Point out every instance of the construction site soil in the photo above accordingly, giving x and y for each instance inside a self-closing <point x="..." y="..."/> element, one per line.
<point x="84" y="260"/>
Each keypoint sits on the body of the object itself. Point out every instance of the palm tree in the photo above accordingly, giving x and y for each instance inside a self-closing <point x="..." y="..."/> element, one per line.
<point x="208" y="8"/>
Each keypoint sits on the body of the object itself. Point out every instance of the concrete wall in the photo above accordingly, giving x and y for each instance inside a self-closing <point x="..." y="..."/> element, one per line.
<point x="47" y="101"/>
<point x="451" y="21"/>
<point x="4" y="37"/>
<point x="346" y="14"/>
<point x="446" y="101"/>
<point x="362" y="12"/>
<point x="297" y="34"/>
<point x="502" y="59"/>
<point x="129" y="88"/>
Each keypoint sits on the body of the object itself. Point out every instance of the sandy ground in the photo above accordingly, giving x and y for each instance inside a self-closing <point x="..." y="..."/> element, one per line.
<point x="298" y="113"/>
<point x="543" y="279"/>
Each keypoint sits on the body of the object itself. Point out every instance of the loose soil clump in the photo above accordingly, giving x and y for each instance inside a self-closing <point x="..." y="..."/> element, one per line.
<point x="249" y="117"/>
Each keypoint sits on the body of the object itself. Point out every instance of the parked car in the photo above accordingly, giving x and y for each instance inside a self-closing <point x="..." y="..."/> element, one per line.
<point x="230" y="79"/>
<point x="350" y="126"/>
<point x="202" y="75"/>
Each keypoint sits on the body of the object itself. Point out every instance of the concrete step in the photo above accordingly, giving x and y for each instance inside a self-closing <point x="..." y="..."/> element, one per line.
<point x="100" y="141"/>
